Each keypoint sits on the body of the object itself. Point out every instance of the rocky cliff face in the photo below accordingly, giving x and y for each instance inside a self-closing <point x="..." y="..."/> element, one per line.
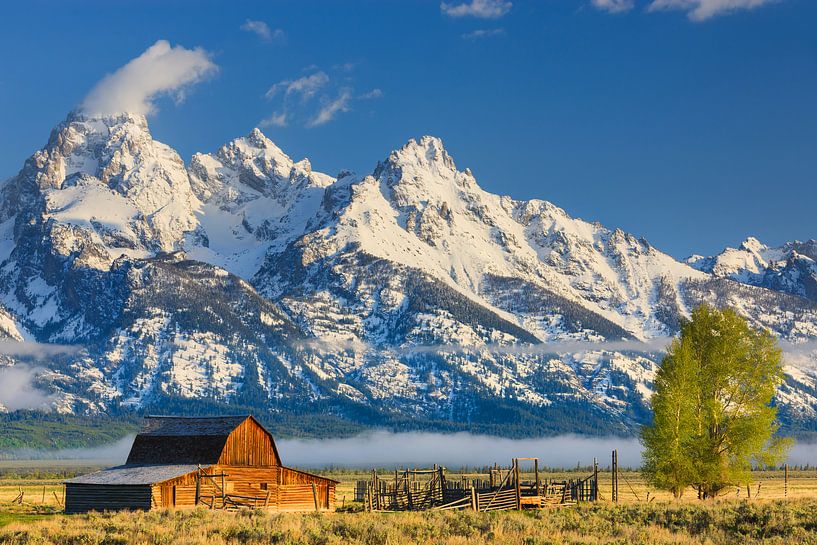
<point x="408" y="297"/>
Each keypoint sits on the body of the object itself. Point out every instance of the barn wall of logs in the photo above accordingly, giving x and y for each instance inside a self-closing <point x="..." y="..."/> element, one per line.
<point x="277" y="488"/>
<point x="81" y="498"/>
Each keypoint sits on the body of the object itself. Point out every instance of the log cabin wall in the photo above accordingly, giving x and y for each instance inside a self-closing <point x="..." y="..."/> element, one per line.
<point x="283" y="489"/>
<point x="81" y="498"/>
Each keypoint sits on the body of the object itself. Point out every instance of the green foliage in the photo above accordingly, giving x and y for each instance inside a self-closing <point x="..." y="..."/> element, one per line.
<point x="50" y="431"/>
<point x="713" y="415"/>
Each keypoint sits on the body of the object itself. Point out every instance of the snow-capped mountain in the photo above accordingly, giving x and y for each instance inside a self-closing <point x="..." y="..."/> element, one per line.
<point x="791" y="268"/>
<point x="407" y="297"/>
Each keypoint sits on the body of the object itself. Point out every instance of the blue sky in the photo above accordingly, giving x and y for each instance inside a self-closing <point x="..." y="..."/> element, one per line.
<point x="675" y="120"/>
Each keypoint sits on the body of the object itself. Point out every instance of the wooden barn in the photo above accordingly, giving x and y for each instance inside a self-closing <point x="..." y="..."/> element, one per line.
<point x="218" y="462"/>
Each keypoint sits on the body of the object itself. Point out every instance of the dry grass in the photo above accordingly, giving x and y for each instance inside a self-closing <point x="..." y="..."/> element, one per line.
<point x="730" y="520"/>
<point x="725" y="522"/>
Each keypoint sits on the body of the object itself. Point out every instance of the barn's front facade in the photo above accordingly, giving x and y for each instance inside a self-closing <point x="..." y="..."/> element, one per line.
<point x="217" y="462"/>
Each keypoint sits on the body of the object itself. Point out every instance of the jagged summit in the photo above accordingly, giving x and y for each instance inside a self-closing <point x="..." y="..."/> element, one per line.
<point x="790" y="268"/>
<point x="429" y="150"/>
<point x="751" y="244"/>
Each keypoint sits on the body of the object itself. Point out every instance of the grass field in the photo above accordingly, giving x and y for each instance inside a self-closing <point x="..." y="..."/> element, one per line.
<point x="731" y="519"/>
<point x="724" y="522"/>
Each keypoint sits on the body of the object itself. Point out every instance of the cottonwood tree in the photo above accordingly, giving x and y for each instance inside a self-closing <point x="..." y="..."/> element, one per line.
<point x="713" y="411"/>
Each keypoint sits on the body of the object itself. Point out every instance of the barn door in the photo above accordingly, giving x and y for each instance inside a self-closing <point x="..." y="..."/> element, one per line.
<point x="168" y="495"/>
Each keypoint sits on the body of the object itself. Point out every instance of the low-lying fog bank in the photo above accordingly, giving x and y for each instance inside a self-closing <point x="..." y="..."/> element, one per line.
<point x="454" y="450"/>
<point x="386" y="449"/>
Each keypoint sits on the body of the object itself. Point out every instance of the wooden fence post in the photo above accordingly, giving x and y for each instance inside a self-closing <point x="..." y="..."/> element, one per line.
<point x="198" y="486"/>
<point x="518" y="484"/>
<point x="614" y="478"/>
<point x="315" y="496"/>
<point x="786" y="481"/>
<point x="595" y="489"/>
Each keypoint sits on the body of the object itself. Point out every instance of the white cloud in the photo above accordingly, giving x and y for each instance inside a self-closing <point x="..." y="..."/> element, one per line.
<point x="18" y="389"/>
<point x="483" y="33"/>
<point x="614" y="6"/>
<point x="314" y="99"/>
<point x="701" y="10"/>
<point x="36" y="350"/>
<point x="331" y="108"/>
<point x="483" y="9"/>
<point x="276" y="119"/>
<point x="374" y="93"/>
<point x="306" y="86"/>
<point x="263" y="31"/>
<point x="160" y="70"/>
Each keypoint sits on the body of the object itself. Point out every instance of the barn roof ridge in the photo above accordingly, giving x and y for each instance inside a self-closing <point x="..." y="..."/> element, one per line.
<point x="184" y="439"/>
<point x="241" y="415"/>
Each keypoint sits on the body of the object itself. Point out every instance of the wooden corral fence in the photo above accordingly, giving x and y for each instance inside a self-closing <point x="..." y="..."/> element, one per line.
<point x="429" y="489"/>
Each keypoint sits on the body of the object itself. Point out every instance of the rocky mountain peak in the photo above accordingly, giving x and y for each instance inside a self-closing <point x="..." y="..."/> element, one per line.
<point x="428" y="152"/>
<point x="751" y="244"/>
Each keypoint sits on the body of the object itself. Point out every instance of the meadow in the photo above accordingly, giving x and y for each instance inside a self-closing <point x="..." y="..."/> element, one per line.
<point x="642" y="516"/>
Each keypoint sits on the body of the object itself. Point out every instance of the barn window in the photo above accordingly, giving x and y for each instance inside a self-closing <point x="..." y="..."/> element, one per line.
<point x="263" y="486"/>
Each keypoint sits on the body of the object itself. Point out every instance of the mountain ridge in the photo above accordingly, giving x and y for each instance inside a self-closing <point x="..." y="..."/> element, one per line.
<point x="408" y="296"/>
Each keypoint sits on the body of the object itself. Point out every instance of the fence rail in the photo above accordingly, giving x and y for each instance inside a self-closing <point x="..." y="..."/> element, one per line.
<point x="430" y="489"/>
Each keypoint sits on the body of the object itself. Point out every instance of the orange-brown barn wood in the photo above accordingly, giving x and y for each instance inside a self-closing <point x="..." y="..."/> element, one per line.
<point x="219" y="462"/>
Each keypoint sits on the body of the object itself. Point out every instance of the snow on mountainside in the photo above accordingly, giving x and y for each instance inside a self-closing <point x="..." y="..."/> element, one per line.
<point x="409" y="296"/>
<point x="791" y="268"/>
<point x="255" y="198"/>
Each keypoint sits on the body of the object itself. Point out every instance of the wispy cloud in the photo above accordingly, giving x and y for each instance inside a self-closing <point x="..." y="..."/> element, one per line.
<point x="160" y="70"/>
<point x="18" y="388"/>
<point x="18" y="382"/>
<point x="263" y="31"/>
<point x="483" y="33"/>
<point x="314" y="99"/>
<point x="482" y="9"/>
<point x="36" y="350"/>
<point x="305" y="86"/>
<point x="614" y="6"/>
<point x="276" y="119"/>
<point x="702" y="10"/>
<point x="330" y="108"/>
<point x="374" y="93"/>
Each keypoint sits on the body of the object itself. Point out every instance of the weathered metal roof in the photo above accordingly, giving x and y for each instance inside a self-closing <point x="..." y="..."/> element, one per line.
<point x="134" y="474"/>
<point x="182" y="440"/>
<point x="187" y="426"/>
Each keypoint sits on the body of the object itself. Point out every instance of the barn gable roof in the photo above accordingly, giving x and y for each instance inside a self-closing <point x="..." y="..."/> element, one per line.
<point x="185" y="440"/>
<point x="191" y="426"/>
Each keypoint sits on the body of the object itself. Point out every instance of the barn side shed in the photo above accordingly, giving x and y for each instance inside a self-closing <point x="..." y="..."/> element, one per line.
<point x="219" y="462"/>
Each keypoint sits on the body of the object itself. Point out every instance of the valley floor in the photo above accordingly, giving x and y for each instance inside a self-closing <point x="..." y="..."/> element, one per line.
<point x="726" y="522"/>
<point x="766" y="518"/>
